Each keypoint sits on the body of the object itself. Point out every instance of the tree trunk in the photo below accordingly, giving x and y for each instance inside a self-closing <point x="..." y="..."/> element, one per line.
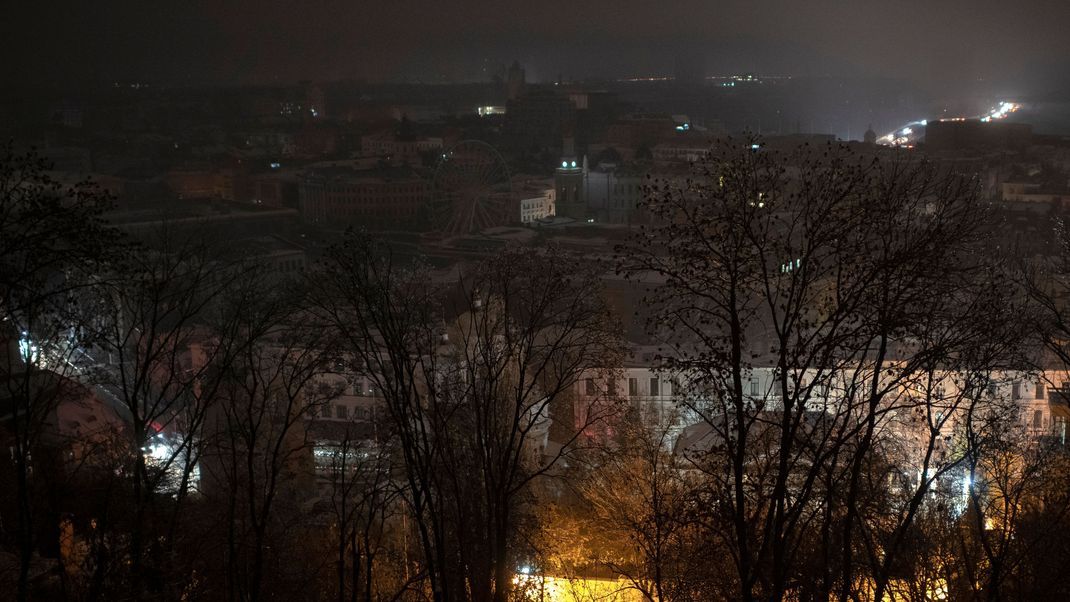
<point x="136" y="543"/>
<point x="24" y="521"/>
<point x="341" y="560"/>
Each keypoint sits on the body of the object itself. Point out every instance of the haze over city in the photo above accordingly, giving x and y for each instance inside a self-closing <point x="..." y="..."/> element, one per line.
<point x="937" y="45"/>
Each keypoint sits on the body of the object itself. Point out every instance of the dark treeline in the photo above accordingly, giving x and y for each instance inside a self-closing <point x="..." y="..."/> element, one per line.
<point x="840" y="404"/>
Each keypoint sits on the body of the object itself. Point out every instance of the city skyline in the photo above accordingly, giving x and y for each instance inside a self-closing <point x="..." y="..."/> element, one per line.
<point x="933" y="45"/>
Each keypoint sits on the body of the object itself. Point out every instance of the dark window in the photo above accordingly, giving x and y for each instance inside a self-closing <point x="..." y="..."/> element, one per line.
<point x="590" y="386"/>
<point x="341" y="411"/>
<point x="1040" y="390"/>
<point x="633" y="387"/>
<point x="655" y="388"/>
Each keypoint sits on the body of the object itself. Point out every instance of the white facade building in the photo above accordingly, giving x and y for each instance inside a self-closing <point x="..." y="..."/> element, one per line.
<point x="1041" y="400"/>
<point x="535" y="208"/>
<point x="535" y="198"/>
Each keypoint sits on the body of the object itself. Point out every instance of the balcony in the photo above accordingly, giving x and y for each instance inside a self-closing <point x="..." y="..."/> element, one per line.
<point x="1059" y="397"/>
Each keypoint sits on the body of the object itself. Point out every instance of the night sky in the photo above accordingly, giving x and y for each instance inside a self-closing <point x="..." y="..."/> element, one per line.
<point x="932" y="43"/>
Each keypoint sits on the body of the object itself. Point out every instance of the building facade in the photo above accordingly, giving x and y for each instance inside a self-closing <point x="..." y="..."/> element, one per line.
<point x="375" y="198"/>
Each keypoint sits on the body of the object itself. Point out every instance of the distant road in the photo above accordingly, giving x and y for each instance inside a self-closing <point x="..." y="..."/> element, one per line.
<point x="909" y="134"/>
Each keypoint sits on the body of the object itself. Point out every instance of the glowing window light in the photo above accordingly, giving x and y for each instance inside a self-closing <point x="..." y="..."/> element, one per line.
<point x="27" y="350"/>
<point x="158" y="451"/>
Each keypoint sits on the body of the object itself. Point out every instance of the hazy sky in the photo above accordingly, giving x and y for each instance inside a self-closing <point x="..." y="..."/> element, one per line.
<point x="242" y="41"/>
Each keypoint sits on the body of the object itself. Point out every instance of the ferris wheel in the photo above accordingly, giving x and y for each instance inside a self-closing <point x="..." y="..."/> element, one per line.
<point x="472" y="189"/>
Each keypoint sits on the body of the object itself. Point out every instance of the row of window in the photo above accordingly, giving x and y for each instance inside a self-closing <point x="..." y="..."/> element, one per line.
<point x="288" y="266"/>
<point x="377" y="199"/>
<point x="377" y="190"/>
<point x="1016" y="391"/>
<point x="403" y="212"/>
<point x="360" y="388"/>
<point x="344" y="412"/>
<point x="655" y="386"/>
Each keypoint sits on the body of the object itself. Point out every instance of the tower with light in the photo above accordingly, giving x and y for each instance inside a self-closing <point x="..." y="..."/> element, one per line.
<point x="568" y="183"/>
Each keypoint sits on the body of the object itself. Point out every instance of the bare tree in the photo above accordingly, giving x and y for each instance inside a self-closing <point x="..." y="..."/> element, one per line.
<point x="640" y="492"/>
<point x="386" y="316"/>
<point x="799" y="295"/>
<point x="529" y="326"/>
<point x="471" y="376"/>
<point x="363" y="500"/>
<point x="169" y="327"/>
<point x="52" y="244"/>
<point x="258" y="459"/>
